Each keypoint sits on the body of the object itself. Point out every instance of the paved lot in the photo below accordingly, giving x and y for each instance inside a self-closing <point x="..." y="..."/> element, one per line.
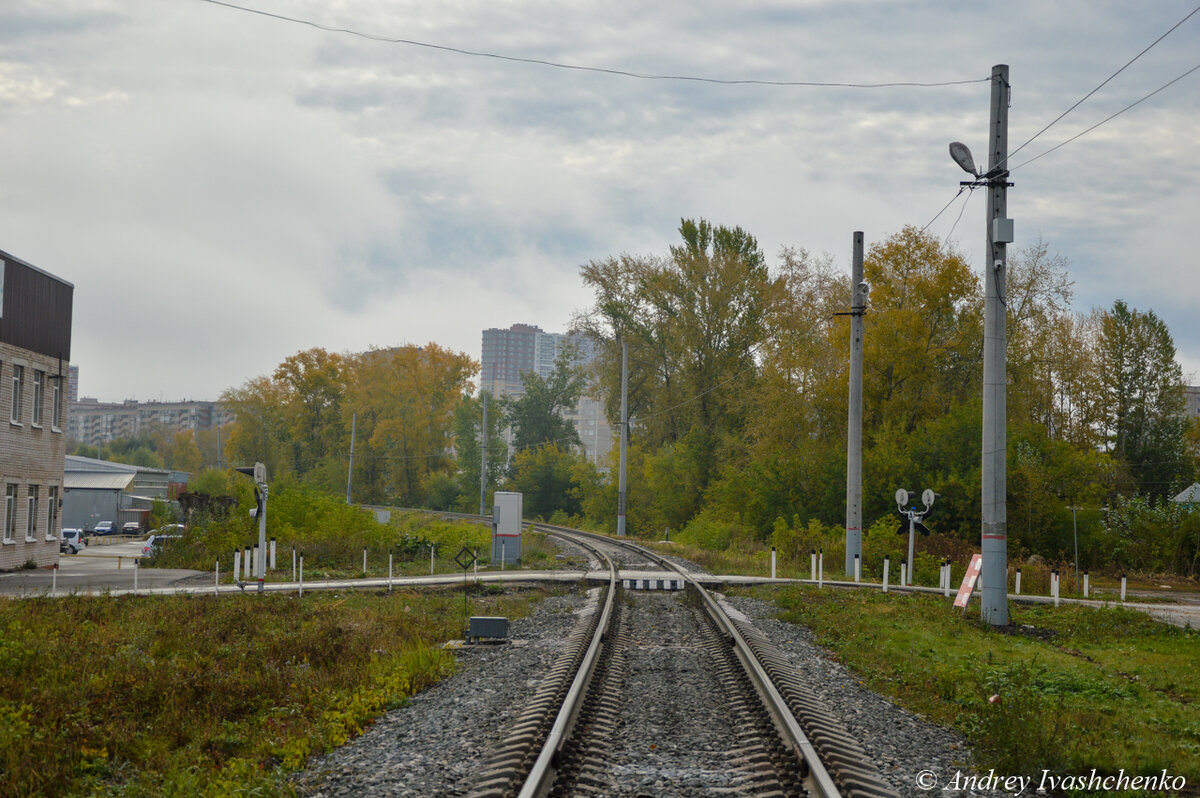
<point x="97" y="567"/>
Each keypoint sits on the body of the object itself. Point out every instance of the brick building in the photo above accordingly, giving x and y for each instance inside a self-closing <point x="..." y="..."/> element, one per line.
<point x="35" y="347"/>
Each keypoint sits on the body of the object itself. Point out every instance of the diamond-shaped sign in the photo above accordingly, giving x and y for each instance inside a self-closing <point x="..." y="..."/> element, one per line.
<point x="465" y="558"/>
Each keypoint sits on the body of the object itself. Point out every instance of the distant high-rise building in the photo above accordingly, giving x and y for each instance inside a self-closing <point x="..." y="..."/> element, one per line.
<point x="72" y="384"/>
<point x="509" y="354"/>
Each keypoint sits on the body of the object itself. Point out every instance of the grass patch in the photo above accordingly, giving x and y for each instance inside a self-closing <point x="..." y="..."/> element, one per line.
<point x="206" y="696"/>
<point x="409" y="539"/>
<point x="1079" y="688"/>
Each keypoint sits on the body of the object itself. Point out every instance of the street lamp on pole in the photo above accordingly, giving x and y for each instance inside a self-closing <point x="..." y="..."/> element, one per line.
<point x="994" y="519"/>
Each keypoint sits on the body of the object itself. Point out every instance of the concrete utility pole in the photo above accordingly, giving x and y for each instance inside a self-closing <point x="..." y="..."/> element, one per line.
<point x="350" y="470"/>
<point x="858" y="305"/>
<point x="994" y="599"/>
<point x="483" y="447"/>
<point x="624" y="438"/>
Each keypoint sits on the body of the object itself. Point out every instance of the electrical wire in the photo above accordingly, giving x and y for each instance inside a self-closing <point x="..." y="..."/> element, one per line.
<point x="1103" y="84"/>
<point x="583" y="68"/>
<point x="961" y="189"/>
<point x="1106" y="119"/>
<point x="966" y="202"/>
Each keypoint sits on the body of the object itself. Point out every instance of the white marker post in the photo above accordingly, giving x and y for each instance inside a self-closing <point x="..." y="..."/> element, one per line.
<point x="820" y="567"/>
<point x="903" y="572"/>
<point x="772" y="562"/>
<point x="887" y="561"/>
<point x="301" y="574"/>
<point x="813" y="578"/>
<point x="1122" y="587"/>
<point x="237" y="564"/>
<point x="1085" y="584"/>
<point x="217" y="579"/>
<point x="857" y="568"/>
<point x="389" y="571"/>
<point x="364" y="560"/>
<point x="1018" y="583"/>
<point x="272" y="554"/>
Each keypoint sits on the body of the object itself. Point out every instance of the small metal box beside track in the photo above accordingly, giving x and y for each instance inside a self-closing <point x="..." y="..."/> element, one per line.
<point x="482" y="627"/>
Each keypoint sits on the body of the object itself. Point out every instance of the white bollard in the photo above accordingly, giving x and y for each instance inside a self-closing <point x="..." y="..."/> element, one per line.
<point x="1054" y="586"/>
<point x="772" y="562"/>
<point x="502" y="555"/>
<point x="857" y="569"/>
<point x="814" y="566"/>
<point x="237" y="564"/>
<point x="293" y="563"/>
<point x="1017" y="586"/>
<point x="389" y="572"/>
<point x="257" y="560"/>
<point x="301" y="574"/>
<point x="54" y="581"/>
<point x="886" y="564"/>
<point x="135" y="569"/>
<point x="1085" y="584"/>
<point x="217" y="579"/>
<point x="820" y="568"/>
<point x="364" y="560"/>
<point x="948" y="577"/>
<point x="903" y="572"/>
<point x="272" y="561"/>
<point x="1122" y="587"/>
<point x="246" y="563"/>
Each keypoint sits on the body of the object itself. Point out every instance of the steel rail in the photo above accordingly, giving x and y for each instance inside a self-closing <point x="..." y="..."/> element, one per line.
<point x="542" y="774"/>
<point x="819" y="782"/>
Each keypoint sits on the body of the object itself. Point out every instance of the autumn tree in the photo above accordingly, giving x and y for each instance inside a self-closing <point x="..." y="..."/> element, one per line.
<point x="537" y="415"/>
<point x="692" y="322"/>
<point x="468" y="420"/>
<point x="404" y="398"/>
<point x="1142" y="397"/>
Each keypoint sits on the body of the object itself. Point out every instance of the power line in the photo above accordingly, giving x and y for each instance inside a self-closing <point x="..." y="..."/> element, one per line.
<point x="583" y="68"/>
<point x="1104" y="83"/>
<point x="1106" y="119"/>
<point x="947" y="205"/>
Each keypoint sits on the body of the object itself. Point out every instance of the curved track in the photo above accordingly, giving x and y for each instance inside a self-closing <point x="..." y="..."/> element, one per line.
<point x="779" y="740"/>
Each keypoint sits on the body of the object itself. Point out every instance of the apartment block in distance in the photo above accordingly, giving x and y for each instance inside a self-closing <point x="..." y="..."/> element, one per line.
<point x="35" y="347"/>
<point x="94" y="422"/>
<point x="509" y="354"/>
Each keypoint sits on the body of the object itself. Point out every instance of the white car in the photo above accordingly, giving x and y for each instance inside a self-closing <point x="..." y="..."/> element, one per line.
<point x="71" y="541"/>
<point x="154" y="541"/>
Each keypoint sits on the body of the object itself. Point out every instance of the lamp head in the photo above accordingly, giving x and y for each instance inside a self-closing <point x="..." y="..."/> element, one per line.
<point x="961" y="154"/>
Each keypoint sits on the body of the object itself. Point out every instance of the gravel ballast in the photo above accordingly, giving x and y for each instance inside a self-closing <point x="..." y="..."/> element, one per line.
<point x="435" y="745"/>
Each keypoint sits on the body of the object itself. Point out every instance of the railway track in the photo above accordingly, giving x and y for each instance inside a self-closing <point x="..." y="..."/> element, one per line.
<point x="671" y="693"/>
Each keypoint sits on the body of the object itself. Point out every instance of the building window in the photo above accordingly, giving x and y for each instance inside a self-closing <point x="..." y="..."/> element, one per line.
<point x="52" y="511"/>
<point x="10" y="512"/>
<point x="18" y="386"/>
<point x="39" y="383"/>
<point x="56" y="403"/>
<point x="31" y="519"/>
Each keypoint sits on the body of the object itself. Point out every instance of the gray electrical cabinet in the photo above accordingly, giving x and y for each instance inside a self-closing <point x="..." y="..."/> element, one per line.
<point x="506" y="526"/>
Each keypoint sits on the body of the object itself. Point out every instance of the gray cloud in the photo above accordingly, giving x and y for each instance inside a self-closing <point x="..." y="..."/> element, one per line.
<point x="226" y="189"/>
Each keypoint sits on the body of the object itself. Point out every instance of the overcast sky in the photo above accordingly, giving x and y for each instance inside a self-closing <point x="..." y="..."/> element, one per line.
<point x="225" y="189"/>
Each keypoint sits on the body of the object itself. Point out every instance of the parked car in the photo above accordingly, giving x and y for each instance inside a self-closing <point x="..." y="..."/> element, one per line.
<point x="131" y="528"/>
<point x="154" y="542"/>
<point x="71" y="541"/>
<point x="105" y="528"/>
